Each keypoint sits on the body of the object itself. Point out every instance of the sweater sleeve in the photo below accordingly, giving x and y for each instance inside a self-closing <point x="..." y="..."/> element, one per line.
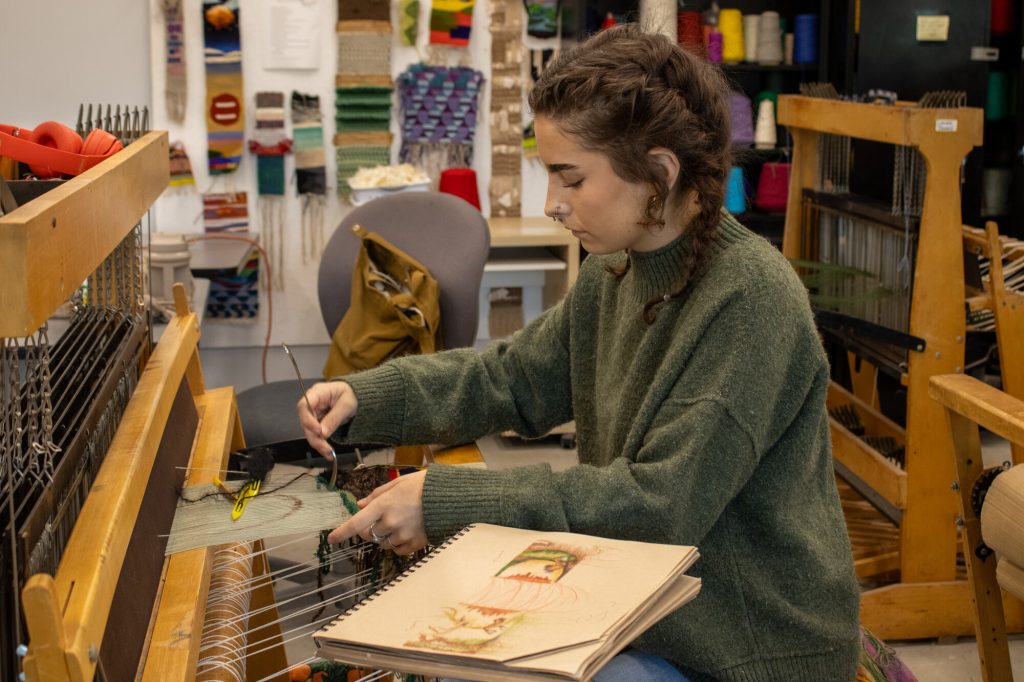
<point x="459" y="395"/>
<point x="694" y="461"/>
<point x="731" y="402"/>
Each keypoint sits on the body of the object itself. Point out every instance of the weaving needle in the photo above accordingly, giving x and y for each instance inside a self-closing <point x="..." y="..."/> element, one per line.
<point x="302" y="387"/>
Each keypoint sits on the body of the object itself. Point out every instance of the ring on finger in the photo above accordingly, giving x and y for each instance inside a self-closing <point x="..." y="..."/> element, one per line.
<point x="387" y="538"/>
<point x="377" y="539"/>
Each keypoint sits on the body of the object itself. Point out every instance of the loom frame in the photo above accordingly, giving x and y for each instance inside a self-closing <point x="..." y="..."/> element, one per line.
<point x="928" y="600"/>
<point x="47" y="248"/>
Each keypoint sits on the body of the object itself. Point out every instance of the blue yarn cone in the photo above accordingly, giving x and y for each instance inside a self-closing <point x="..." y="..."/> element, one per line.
<point x="805" y="39"/>
<point x="735" y="195"/>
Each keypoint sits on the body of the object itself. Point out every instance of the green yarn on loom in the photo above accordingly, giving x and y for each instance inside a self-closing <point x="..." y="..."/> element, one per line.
<point x="835" y="287"/>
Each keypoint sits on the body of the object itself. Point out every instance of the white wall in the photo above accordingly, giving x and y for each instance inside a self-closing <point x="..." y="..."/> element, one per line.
<point x="113" y="51"/>
<point x="59" y="53"/>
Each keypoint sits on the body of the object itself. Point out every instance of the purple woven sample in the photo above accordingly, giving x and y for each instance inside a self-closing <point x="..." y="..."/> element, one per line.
<point x="742" y="116"/>
<point x="438" y="105"/>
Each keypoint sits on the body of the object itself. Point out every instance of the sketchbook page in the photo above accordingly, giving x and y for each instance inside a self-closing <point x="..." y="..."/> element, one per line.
<point x="497" y="593"/>
<point x="589" y="658"/>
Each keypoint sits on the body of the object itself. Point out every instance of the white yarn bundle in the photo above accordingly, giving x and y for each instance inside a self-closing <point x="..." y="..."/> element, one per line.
<point x="769" y="39"/>
<point x="751" y="22"/>
<point x="764" y="131"/>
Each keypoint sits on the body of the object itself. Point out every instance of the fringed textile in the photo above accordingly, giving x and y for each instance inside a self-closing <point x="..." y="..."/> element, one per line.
<point x="311" y="174"/>
<point x="176" y="85"/>
<point x="181" y="167"/>
<point x="506" y="108"/>
<point x="439" y="114"/>
<point x="270" y="144"/>
<point x="224" y="111"/>
<point x="450" y="22"/>
<point x="233" y="295"/>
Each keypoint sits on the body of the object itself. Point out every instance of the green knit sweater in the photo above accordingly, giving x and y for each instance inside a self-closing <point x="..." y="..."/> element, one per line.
<point x="707" y="427"/>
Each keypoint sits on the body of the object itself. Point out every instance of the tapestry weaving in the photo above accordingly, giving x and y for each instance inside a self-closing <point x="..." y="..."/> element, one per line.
<point x="310" y="172"/>
<point x="225" y="119"/>
<point x="233" y="295"/>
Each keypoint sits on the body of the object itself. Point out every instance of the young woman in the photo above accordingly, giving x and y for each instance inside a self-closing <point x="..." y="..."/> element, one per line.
<point x="687" y="354"/>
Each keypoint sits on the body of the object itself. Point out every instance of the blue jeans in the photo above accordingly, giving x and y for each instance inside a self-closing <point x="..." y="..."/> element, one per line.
<point x="636" y="666"/>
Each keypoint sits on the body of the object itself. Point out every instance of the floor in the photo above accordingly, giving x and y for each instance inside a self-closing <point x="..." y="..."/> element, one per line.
<point x="930" y="661"/>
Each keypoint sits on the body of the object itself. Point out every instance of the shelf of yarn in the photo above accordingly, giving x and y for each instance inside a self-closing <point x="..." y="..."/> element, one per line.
<point x="748" y="67"/>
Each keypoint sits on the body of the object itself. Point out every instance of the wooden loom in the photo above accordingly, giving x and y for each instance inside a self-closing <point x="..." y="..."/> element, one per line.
<point x="115" y="608"/>
<point x="928" y="600"/>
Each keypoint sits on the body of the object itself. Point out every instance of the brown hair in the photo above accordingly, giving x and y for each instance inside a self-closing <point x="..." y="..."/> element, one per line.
<point x="623" y="92"/>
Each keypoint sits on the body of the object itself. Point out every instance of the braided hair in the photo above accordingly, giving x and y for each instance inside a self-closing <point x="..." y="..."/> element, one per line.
<point x="623" y="92"/>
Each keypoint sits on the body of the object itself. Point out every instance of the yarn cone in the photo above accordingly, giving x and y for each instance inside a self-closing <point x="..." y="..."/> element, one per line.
<point x="764" y="131"/>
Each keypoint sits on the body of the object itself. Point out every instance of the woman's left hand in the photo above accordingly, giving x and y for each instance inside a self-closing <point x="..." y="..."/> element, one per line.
<point x="393" y="513"/>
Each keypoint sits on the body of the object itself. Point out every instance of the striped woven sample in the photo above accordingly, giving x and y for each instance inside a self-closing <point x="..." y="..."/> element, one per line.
<point x="225" y="118"/>
<point x="451" y="21"/>
<point x="363" y="88"/>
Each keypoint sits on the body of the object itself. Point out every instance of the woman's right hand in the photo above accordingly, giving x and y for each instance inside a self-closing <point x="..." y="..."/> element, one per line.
<point x="330" y="404"/>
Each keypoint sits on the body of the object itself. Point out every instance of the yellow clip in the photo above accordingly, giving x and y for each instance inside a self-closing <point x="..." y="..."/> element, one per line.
<point x="247" y="492"/>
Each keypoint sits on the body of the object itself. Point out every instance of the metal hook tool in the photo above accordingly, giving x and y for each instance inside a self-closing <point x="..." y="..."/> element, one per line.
<point x="302" y="387"/>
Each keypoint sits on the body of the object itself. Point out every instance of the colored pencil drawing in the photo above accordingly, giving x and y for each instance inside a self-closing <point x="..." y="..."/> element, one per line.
<point x="526" y="585"/>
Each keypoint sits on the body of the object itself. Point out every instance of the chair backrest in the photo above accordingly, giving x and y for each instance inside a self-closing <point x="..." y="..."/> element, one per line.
<point x="445" y="233"/>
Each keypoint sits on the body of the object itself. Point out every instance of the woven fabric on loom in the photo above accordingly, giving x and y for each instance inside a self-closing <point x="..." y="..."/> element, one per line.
<point x="439" y="108"/>
<point x="233" y="295"/>
<point x="450" y="22"/>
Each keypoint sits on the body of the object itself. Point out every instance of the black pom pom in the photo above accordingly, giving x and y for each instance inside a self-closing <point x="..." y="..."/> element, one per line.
<point x="259" y="462"/>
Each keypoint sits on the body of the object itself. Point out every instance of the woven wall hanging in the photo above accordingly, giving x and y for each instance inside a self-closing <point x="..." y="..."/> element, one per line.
<point x="450" y="22"/>
<point x="176" y="85"/>
<point x="234" y="295"/>
<point x="408" y="21"/>
<point x="363" y="88"/>
<point x="181" y="168"/>
<point x="439" y="114"/>
<point x="310" y="173"/>
<point x="506" y="107"/>
<point x="270" y="145"/>
<point x="225" y="119"/>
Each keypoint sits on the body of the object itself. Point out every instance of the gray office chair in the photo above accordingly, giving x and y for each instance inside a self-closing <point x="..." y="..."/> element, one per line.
<point x="445" y="233"/>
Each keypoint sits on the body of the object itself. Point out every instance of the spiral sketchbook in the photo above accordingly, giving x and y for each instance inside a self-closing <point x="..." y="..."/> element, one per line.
<point x="497" y="603"/>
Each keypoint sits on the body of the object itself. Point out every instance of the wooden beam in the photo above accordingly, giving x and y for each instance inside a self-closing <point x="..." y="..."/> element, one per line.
<point x="928" y="610"/>
<point x="903" y="125"/>
<point x="983" y="404"/>
<point x="87" y="577"/>
<point x="178" y="622"/>
<point x="49" y="246"/>
<point x="865" y="462"/>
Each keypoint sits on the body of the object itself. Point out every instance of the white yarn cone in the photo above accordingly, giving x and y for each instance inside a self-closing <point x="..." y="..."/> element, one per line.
<point x="769" y="40"/>
<point x="750" y="33"/>
<point x="764" y="131"/>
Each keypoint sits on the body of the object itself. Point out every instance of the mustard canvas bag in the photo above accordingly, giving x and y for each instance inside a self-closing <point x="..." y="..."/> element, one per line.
<point x="395" y="309"/>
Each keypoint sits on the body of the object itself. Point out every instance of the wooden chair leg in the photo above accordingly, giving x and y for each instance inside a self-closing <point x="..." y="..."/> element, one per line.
<point x="986" y="597"/>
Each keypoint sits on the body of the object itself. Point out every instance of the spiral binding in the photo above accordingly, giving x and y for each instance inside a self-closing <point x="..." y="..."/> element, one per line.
<point x="401" y="576"/>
